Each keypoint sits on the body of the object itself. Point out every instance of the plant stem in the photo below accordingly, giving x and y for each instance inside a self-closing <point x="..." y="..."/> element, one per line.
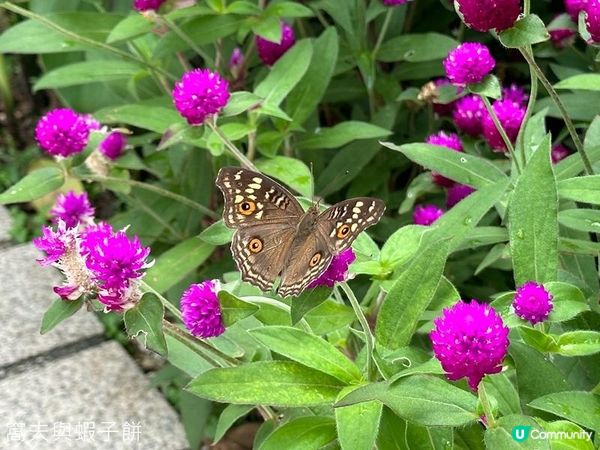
<point x="561" y="107"/>
<point x="529" y="111"/>
<point x="369" y="339"/>
<point x="382" y="33"/>
<point x="166" y="303"/>
<point x="487" y="408"/>
<point x="211" y="122"/>
<point x="158" y="190"/>
<point x="502" y="131"/>
<point x="185" y="38"/>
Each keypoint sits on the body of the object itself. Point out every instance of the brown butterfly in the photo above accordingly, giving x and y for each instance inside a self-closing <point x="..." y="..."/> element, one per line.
<point x="276" y="237"/>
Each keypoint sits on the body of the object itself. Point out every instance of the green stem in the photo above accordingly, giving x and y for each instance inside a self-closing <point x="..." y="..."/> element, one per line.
<point x="502" y="131"/>
<point x="369" y="339"/>
<point x="563" y="111"/>
<point x="529" y="111"/>
<point x="82" y="39"/>
<point x="158" y="190"/>
<point x="166" y="303"/>
<point x="185" y="38"/>
<point x="232" y="148"/>
<point x="382" y="33"/>
<point x="487" y="407"/>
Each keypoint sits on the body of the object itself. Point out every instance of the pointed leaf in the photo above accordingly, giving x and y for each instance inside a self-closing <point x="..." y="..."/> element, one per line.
<point x="301" y="433"/>
<point x="577" y="406"/>
<point x="234" y="309"/>
<point x="58" y="311"/>
<point x="34" y="185"/>
<point x="144" y="321"/>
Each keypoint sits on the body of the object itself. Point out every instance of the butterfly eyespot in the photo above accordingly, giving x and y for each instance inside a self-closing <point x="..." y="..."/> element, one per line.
<point x="246" y="208"/>
<point x="343" y="231"/>
<point x="255" y="245"/>
<point x="315" y="259"/>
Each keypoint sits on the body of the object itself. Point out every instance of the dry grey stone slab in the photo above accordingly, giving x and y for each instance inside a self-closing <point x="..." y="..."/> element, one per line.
<point x="95" y="399"/>
<point x="5" y="223"/>
<point x="25" y="293"/>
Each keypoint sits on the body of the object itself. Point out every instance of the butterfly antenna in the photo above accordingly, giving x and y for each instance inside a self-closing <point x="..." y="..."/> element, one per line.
<point x="332" y="182"/>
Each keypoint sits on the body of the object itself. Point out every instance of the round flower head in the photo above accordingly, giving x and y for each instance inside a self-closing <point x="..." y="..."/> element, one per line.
<point x="63" y="132"/>
<point x="468" y="115"/>
<point x="456" y="193"/>
<point x="562" y="37"/>
<point x="426" y="214"/>
<point x="515" y="94"/>
<point x="73" y="209"/>
<point x="468" y="63"/>
<point x="113" y="145"/>
<point x="592" y="20"/>
<point x="337" y="270"/>
<point x="201" y="310"/>
<point x="510" y="115"/>
<point x="394" y="2"/>
<point x="448" y="140"/>
<point x="54" y="243"/>
<point x="145" y="5"/>
<point x="199" y="94"/>
<point x="470" y="340"/>
<point x="485" y="15"/>
<point x="269" y="52"/>
<point x="574" y="7"/>
<point x="532" y="302"/>
<point x="559" y="152"/>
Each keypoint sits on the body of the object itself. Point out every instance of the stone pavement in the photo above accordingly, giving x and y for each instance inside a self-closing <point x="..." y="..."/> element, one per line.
<point x="71" y="388"/>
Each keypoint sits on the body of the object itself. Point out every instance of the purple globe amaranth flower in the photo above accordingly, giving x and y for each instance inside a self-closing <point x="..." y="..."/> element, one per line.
<point x="515" y="94"/>
<point x="145" y="5"/>
<point x="559" y="152"/>
<point x="199" y="94"/>
<point x="485" y="15"/>
<point x="73" y="209"/>
<point x="337" y="270"/>
<point x="468" y="63"/>
<point x="426" y="214"/>
<point x="510" y="115"/>
<point x="448" y="140"/>
<point x="532" y="302"/>
<point x="592" y="19"/>
<point x="113" y="145"/>
<point x="562" y="37"/>
<point x="574" y="7"/>
<point x="468" y="115"/>
<point x="395" y="2"/>
<point x="201" y="309"/>
<point x="470" y="340"/>
<point x="456" y="193"/>
<point x="63" y="132"/>
<point x="54" y="243"/>
<point x="269" y="52"/>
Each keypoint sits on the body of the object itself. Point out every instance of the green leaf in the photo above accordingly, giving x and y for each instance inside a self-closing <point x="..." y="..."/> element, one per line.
<point x="489" y="87"/>
<point x="217" y="234"/>
<point x="579" y="343"/>
<point x="581" y="189"/>
<point x="184" y="358"/>
<point x="421" y="399"/>
<point x="289" y="9"/>
<point x="416" y="47"/>
<point x="401" y="246"/>
<point x="342" y="134"/>
<point x="154" y="118"/>
<point x="584" y="81"/>
<point x="410" y="295"/>
<point x="586" y="220"/>
<point x="234" y="309"/>
<point x="301" y="433"/>
<point x="34" y="185"/>
<point x="500" y="387"/>
<point x="306" y="96"/>
<point x="58" y="311"/>
<point x="461" y="167"/>
<point x="285" y="73"/>
<point x="501" y="436"/>
<point x="131" y="26"/>
<point x="228" y="417"/>
<point x="357" y="425"/>
<point x="528" y="30"/>
<point x="290" y="171"/>
<point x="177" y="262"/>
<point x="533" y="221"/>
<point x="277" y="383"/>
<point x="309" y="350"/>
<point x="568" y="301"/>
<point x="572" y="165"/>
<point x="392" y="432"/>
<point x="240" y="102"/>
<point x="268" y="27"/>
<point x="87" y="72"/>
<point x="571" y="442"/>
<point x="307" y="301"/>
<point x="146" y="318"/>
<point x="577" y="406"/>
<point x="539" y="340"/>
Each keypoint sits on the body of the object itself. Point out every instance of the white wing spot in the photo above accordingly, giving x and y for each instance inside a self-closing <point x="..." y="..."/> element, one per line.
<point x="238" y="199"/>
<point x="356" y="210"/>
<point x="354" y="227"/>
<point x="252" y="197"/>
<point x="257" y="180"/>
<point x="227" y="184"/>
<point x="359" y="204"/>
<point x="355" y="216"/>
<point x="259" y="214"/>
<point x="254" y="186"/>
<point x="249" y="191"/>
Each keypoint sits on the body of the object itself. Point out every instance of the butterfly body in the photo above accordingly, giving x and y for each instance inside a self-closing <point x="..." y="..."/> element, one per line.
<point x="275" y="238"/>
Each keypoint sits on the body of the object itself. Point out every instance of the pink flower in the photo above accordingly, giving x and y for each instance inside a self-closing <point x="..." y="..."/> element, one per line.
<point x="269" y="52"/>
<point x="426" y="214"/>
<point x="395" y="2"/>
<point x="510" y="115"/>
<point x="456" y="193"/>
<point x="337" y="270"/>
<point x="468" y="115"/>
<point x="73" y="209"/>
<point x="574" y="7"/>
<point x="515" y="94"/>
<point x="201" y="309"/>
<point x="559" y="152"/>
<point x="199" y="94"/>
<point x="592" y="19"/>
<point x="562" y="37"/>
<point x="468" y="63"/>
<point x="113" y="145"/>
<point x="470" y="340"/>
<point x="532" y="302"/>
<point x="63" y="132"/>
<point x="485" y="15"/>
<point x="54" y="243"/>
<point x="448" y="140"/>
<point x="145" y="5"/>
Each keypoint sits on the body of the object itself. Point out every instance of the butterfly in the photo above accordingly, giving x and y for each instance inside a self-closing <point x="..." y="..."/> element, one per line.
<point x="275" y="237"/>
